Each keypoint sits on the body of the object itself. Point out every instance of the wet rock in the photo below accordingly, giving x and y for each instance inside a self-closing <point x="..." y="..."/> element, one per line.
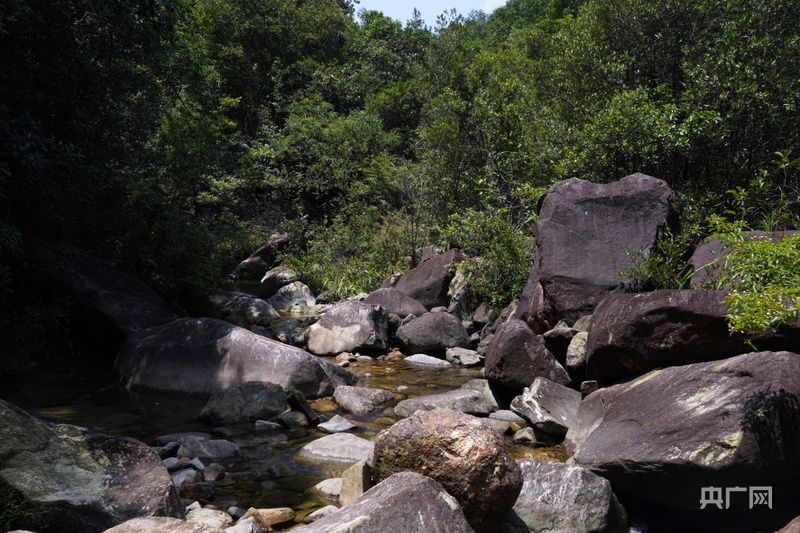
<point x="406" y="501"/>
<point x="396" y="303"/>
<point x="361" y="400"/>
<point x="429" y="283"/>
<point x="535" y="438"/>
<point x="461" y="452"/>
<point x="432" y="334"/>
<point x="180" y="438"/>
<point x="340" y="447"/>
<point x="185" y="477"/>
<point x="548" y="406"/>
<point x="247" y="402"/>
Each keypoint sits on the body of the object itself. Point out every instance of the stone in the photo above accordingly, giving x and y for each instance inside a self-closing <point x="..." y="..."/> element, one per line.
<point x="568" y="499"/>
<point x="160" y="524"/>
<point x="180" y="438"/>
<point x="330" y="488"/>
<point x="509" y="416"/>
<point x="339" y="447"/>
<point x="664" y="436"/>
<point x="429" y="282"/>
<point x="261" y="260"/>
<point x="407" y="502"/>
<point x="463" y="357"/>
<point x="255" y="310"/>
<point x="396" y="302"/>
<point x="297" y="402"/>
<point x="463" y="298"/>
<point x="432" y="334"/>
<point x="267" y="426"/>
<point x="247" y="525"/>
<point x="517" y="356"/>
<point x="247" y="402"/>
<point x="350" y="326"/>
<point x="424" y="359"/>
<point x="210" y="517"/>
<point x="292" y="420"/>
<point x="576" y="357"/>
<point x="213" y="472"/>
<point x="275" y="278"/>
<point x="292" y="295"/>
<point x="463" y="453"/>
<point x="548" y="406"/>
<point x="337" y="424"/>
<point x="466" y="401"/>
<point x="185" y="477"/>
<point x="356" y="480"/>
<point x="202" y="356"/>
<point x="212" y="450"/>
<point x="557" y="341"/>
<point x="200" y="491"/>
<point x="321" y="513"/>
<point x="362" y="400"/>
<point x="266" y="518"/>
<point x="84" y="480"/>
<point x="584" y="234"/>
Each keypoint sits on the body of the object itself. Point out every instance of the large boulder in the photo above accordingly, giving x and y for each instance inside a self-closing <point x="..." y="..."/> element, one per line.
<point x="257" y="264"/>
<point x="463" y="453"/>
<point x="113" y="303"/>
<point x="429" y="283"/>
<point x="665" y="436"/>
<point x="583" y="236"/>
<point x="248" y="402"/>
<point x="517" y="356"/>
<point x="396" y="302"/>
<point x="547" y="406"/>
<point x="202" y="356"/>
<point x="568" y="499"/>
<point x="350" y="326"/>
<point x="292" y="296"/>
<point x="276" y="278"/>
<point x="432" y="334"/>
<point x="361" y="400"/>
<point x="406" y="501"/>
<point x="84" y="480"/>
<point x="631" y="334"/>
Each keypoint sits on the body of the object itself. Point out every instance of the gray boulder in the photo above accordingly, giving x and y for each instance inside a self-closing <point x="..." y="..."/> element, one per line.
<point x="464" y="357"/>
<point x="339" y="447"/>
<point x="275" y="278"/>
<point x="432" y="334"/>
<point x="583" y="235"/>
<point x="292" y="296"/>
<point x="350" y="326"/>
<point x="468" y="401"/>
<point x="547" y="406"/>
<point x="429" y="283"/>
<point x="423" y="359"/>
<point x="406" y="501"/>
<point x="665" y="435"/>
<point x="202" y="356"/>
<point x="396" y="302"/>
<point x="247" y="402"/>
<point x="158" y="524"/>
<point x="517" y="356"/>
<point x="84" y="480"/>
<point x="210" y="450"/>
<point x="361" y="400"/>
<point x="255" y="310"/>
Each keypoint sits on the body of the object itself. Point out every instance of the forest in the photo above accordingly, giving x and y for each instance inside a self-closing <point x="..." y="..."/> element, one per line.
<point x="173" y="137"/>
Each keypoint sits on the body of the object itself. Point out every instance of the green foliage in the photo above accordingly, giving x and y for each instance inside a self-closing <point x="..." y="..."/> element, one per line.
<point x="663" y="267"/>
<point x="18" y="512"/>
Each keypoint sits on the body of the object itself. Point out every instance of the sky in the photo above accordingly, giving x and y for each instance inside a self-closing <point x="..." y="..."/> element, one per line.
<point x="429" y="9"/>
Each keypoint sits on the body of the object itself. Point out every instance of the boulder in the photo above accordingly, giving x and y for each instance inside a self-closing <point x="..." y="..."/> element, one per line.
<point x="406" y="501"/>
<point x="463" y="453"/>
<point x="292" y="296"/>
<point x="276" y="278"/>
<point x="350" y="326"/>
<point x="202" y="356"/>
<point x="568" y="499"/>
<point x="423" y="359"/>
<point x="463" y="299"/>
<point x="396" y="302"/>
<point x="158" y="524"/>
<point x="211" y="450"/>
<point x="464" y="400"/>
<point x="361" y="400"/>
<point x="337" y="424"/>
<point x="666" y="435"/>
<point x="247" y="402"/>
<point x="84" y="480"/>
<point x="339" y="447"/>
<point x="557" y="341"/>
<point x="255" y="310"/>
<point x="547" y="406"/>
<point x="517" y="356"/>
<point x="463" y="357"/>
<point x="631" y="334"/>
<point x="429" y="283"/>
<point x="576" y="357"/>
<point x="432" y="334"/>
<point x="257" y="264"/>
<point x="584" y="233"/>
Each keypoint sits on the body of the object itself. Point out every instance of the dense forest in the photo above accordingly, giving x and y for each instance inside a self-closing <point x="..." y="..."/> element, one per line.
<point x="172" y="137"/>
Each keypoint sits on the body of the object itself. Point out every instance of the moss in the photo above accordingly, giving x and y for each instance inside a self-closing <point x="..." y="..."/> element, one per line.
<point x="17" y="511"/>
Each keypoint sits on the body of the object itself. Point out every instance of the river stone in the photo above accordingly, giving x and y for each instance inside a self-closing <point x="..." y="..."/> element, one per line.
<point x="84" y="480"/>
<point x="321" y="513"/>
<point x="396" y="302"/>
<point x="584" y="234"/>
<point x="339" y="447"/>
<point x="548" y="406"/>
<point x="275" y="278"/>
<point x="210" y="517"/>
<point x="424" y="359"/>
<point x="247" y="402"/>
<point x="406" y="501"/>
<point x="429" y="282"/>
<point x="295" y="294"/>
<point x="466" y="401"/>
<point x="567" y="499"/>
<point x="361" y="400"/>
<point x="463" y="357"/>
<point x="255" y="310"/>
<point x="337" y="424"/>
<point x="204" y="355"/>
<point x="432" y="334"/>
<point x="665" y="435"/>
<point x="186" y="476"/>
<point x="269" y="517"/>
<point x="350" y="326"/>
<point x="212" y="450"/>
<point x="246" y="525"/>
<point x="632" y="334"/>
<point x="158" y="524"/>
<point x="463" y="453"/>
<point x="517" y="356"/>
<point x="165" y="440"/>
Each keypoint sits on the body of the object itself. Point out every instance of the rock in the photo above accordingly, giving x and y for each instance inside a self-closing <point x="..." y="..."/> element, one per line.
<point x="213" y="472"/>
<point x="461" y="452"/>
<point x="484" y="315"/>
<point x="321" y="513"/>
<point x="257" y="264"/>
<point x="265" y="518"/>
<point x="297" y="402"/>
<point x="179" y="438"/>
<point x="212" y="450"/>
<point x="583" y="236"/>
<point x="634" y="333"/>
<point x="350" y="326"/>
<point x="463" y="357"/>
<point x="517" y="356"/>
<point x="255" y="310"/>
<point x="247" y="402"/>
<point x="558" y="339"/>
<point x="160" y="524"/>
<point x="396" y="302"/>
<point x="83" y="480"/>
<point x="576" y="357"/>
<point x="248" y="525"/>
<point x="111" y="303"/>
<point x="275" y="278"/>
<point x="463" y="299"/>
<point x="429" y="283"/>
<point x="509" y="416"/>
<point x="202" y="356"/>
<point x="330" y="488"/>
<point x="535" y="438"/>
<point x="423" y="359"/>
<point x="292" y="420"/>
<point x="432" y="334"/>
<point x="210" y="517"/>
<point x="356" y="480"/>
<point x="548" y="406"/>
<point x="337" y="424"/>
<point x="361" y="400"/>
<point x="568" y="499"/>
<point x="340" y="447"/>
<point x="665" y="435"/>
<point x="185" y="477"/>
<point x="292" y="295"/>
<point x="406" y="501"/>
<point x="267" y="426"/>
<point x="466" y="401"/>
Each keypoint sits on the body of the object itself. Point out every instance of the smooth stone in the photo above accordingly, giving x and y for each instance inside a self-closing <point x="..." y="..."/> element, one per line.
<point x="422" y="359"/>
<point x="340" y="447"/>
